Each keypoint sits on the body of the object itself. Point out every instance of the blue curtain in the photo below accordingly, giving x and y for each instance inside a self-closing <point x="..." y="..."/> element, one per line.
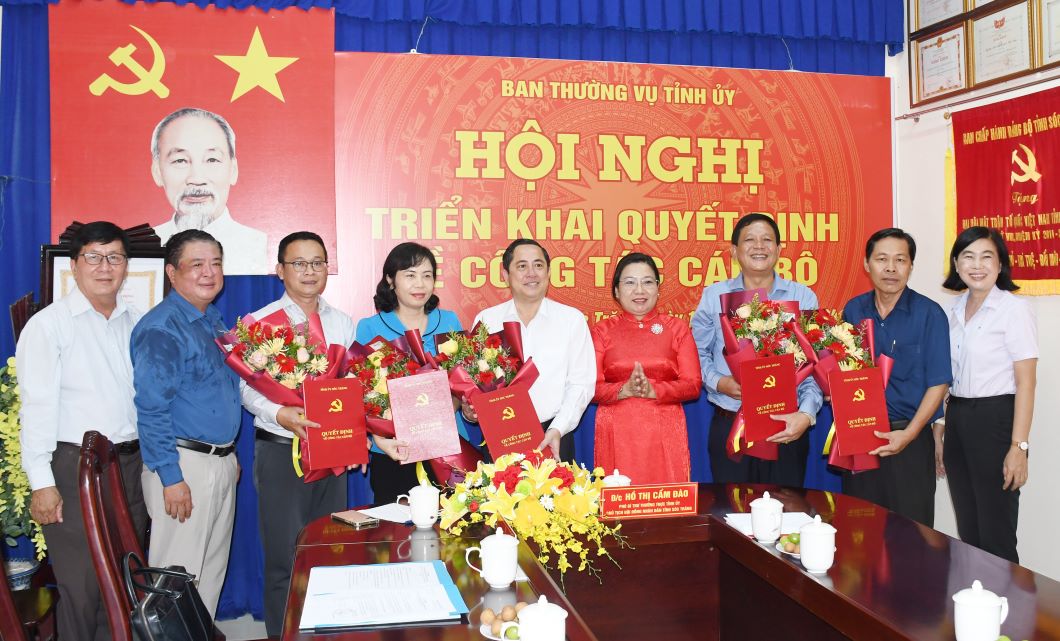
<point x="834" y="36"/>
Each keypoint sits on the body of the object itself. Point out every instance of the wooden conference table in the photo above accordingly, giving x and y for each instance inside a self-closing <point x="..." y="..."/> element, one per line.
<point x="695" y="577"/>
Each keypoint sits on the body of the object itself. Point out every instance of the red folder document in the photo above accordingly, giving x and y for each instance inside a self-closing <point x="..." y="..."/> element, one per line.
<point x="508" y="420"/>
<point x="423" y="415"/>
<point x="338" y="405"/>
<point x="860" y="408"/>
<point x="767" y="386"/>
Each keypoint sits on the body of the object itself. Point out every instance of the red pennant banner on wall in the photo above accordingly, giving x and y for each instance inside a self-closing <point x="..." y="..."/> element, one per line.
<point x="118" y="69"/>
<point x="593" y="159"/>
<point x="1007" y="156"/>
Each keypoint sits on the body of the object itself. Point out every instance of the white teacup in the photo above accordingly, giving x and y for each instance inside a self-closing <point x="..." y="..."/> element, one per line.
<point x="817" y="545"/>
<point x="499" y="554"/>
<point x="423" y="502"/>
<point x="978" y="613"/>
<point x="541" y="621"/>
<point x="766" y="516"/>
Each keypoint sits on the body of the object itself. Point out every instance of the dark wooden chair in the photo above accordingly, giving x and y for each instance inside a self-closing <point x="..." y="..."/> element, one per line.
<point x="108" y="527"/>
<point x="27" y="615"/>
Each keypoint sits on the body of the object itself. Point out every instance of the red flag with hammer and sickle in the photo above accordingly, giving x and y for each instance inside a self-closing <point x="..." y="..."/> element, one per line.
<point x="243" y="104"/>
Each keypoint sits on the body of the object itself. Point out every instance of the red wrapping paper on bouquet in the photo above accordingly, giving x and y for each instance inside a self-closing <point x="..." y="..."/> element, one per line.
<point x="511" y="337"/>
<point x="824" y="363"/>
<point x="449" y="470"/>
<point x="279" y="324"/>
<point x="737" y="351"/>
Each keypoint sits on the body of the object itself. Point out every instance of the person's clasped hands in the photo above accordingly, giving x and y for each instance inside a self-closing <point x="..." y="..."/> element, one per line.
<point x="638" y="385"/>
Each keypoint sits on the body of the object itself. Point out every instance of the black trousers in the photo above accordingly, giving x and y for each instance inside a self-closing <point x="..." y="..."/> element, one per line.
<point x="904" y="483"/>
<point x="978" y="437"/>
<point x="285" y="505"/>
<point x="789" y="469"/>
<point x="389" y="478"/>
<point x="80" y="611"/>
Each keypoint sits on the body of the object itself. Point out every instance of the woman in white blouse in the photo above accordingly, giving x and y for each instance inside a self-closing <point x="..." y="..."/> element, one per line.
<point x="994" y="353"/>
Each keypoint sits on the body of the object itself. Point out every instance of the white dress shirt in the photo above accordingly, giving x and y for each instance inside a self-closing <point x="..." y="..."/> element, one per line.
<point x="244" y="247"/>
<point x="338" y="329"/>
<point x="74" y="375"/>
<point x="559" y="342"/>
<point x="983" y="350"/>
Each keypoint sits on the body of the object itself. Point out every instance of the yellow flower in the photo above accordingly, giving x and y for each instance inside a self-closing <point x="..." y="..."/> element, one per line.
<point x="449" y="347"/>
<point x="380" y="386"/>
<point x="375" y="358"/>
<point x="490" y="353"/>
<point x="272" y="346"/>
<point x="529" y="514"/>
<point x="573" y="505"/>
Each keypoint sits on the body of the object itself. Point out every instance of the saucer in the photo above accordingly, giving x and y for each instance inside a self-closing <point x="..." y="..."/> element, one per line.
<point x="484" y="630"/>
<point x="780" y="548"/>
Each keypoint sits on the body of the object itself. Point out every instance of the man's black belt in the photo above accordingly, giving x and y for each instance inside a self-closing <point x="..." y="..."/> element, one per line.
<point x="128" y="447"/>
<point x="206" y="448"/>
<point x="266" y="435"/>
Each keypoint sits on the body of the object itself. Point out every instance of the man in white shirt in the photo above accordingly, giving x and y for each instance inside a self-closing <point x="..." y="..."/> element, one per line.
<point x="285" y="503"/>
<point x="556" y="336"/>
<point x="193" y="159"/>
<point x="75" y="376"/>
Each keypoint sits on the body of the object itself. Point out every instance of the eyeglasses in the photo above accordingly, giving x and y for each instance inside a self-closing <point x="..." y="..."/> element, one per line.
<point x="300" y="265"/>
<point x="112" y="259"/>
<point x="631" y="283"/>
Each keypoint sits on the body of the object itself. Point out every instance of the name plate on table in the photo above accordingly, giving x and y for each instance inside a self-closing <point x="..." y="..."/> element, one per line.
<point x="649" y="501"/>
<point x="341" y="440"/>
<point x="767" y="386"/>
<point x="859" y="405"/>
<point x="508" y="420"/>
<point x="423" y="415"/>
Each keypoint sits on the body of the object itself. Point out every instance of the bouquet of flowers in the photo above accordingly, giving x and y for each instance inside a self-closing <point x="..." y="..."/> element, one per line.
<point x="373" y="365"/>
<point x="555" y="505"/>
<point x="276" y="358"/>
<point x="833" y="344"/>
<point x="756" y="327"/>
<point x="380" y="361"/>
<point x="478" y="361"/>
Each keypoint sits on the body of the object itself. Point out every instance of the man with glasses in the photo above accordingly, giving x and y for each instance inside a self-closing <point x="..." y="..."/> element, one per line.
<point x="75" y="375"/>
<point x="557" y="338"/>
<point x="285" y="503"/>
<point x="187" y="404"/>
<point x="756" y="247"/>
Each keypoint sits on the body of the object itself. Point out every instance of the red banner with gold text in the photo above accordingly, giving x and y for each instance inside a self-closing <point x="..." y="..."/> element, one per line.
<point x="1006" y="155"/>
<point x="119" y="69"/>
<point x="593" y="159"/>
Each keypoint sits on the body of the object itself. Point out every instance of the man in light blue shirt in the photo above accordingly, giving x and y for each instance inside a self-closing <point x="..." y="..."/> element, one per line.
<point x="756" y="247"/>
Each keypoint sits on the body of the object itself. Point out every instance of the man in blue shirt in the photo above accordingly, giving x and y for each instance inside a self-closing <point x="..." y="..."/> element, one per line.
<point x="912" y="329"/>
<point x="188" y="414"/>
<point x="756" y="247"/>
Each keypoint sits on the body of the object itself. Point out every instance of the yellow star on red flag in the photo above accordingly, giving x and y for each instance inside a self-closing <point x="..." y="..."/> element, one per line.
<point x="257" y="68"/>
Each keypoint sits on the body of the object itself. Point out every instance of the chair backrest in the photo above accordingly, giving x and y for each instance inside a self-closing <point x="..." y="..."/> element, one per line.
<point x="10" y="621"/>
<point x="108" y="527"/>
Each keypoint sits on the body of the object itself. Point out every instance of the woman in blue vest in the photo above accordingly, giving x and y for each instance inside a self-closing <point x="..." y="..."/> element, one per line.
<point x="404" y="299"/>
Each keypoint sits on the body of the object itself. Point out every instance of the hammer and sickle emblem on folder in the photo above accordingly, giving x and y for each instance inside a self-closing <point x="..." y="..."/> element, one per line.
<point x="770" y="382"/>
<point x="336" y="405"/>
<point x="421" y="400"/>
<point x="859" y="394"/>
<point x="148" y="79"/>
<point x="1029" y="168"/>
<point x="507" y="414"/>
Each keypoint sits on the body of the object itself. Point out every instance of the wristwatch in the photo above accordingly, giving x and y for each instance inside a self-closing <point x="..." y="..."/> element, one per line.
<point x="1023" y="445"/>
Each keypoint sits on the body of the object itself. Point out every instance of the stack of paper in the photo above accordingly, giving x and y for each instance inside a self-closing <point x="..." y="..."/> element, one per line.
<point x="789" y="522"/>
<point x="386" y="594"/>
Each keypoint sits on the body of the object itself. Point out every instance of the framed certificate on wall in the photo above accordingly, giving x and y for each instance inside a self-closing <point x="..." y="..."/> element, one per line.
<point x="1048" y="20"/>
<point x="928" y="12"/>
<point x="1001" y="43"/>
<point x="940" y="64"/>
<point x="145" y="282"/>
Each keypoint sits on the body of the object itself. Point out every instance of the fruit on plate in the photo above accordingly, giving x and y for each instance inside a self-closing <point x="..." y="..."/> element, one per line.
<point x="487" y="617"/>
<point x="790" y="543"/>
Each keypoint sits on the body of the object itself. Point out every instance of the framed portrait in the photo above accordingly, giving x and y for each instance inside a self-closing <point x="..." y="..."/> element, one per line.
<point x="145" y="284"/>
<point x="941" y="64"/>
<point x="1001" y="43"/>
<point x="925" y="13"/>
